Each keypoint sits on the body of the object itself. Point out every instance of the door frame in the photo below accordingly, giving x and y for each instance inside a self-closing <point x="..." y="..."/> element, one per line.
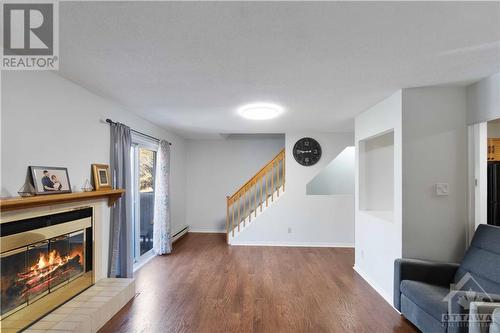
<point x="138" y="142"/>
<point x="477" y="177"/>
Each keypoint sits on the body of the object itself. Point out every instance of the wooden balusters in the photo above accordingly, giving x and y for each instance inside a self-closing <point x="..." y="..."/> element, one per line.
<point x="278" y="178"/>
<point x="267" y="191"/>
<point x="255" y="198"/>
<point x="244" y="206"/>
<point x="261" y="186"/>
<point x="272" y="183"/>
<point x="240" y="204"/>
<point x="233" y="209"/>
<point x="239" y="208"/>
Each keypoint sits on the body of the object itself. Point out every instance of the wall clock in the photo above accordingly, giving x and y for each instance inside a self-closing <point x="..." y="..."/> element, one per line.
<point x="307" y="151"/>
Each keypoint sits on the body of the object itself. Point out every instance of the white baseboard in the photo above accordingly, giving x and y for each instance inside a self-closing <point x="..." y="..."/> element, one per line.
<point x="181" y="232"/>
<point x="374" y="285"/>
<point x="292" y="244"/>
<point x="206" y="230"/>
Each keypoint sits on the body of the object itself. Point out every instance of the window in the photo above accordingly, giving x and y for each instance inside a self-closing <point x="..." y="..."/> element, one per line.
<point x="143" y="155"/>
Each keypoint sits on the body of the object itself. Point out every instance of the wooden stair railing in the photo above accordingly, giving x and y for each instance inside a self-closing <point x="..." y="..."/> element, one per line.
<point x="256" y="192"/>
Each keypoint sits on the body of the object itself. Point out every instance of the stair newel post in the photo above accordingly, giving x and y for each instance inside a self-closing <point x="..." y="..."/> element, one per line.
<point x="250" y="203"/>
<point x="232" y="222"/>
<point x="283" y="178"/>
<point x="227" y="218"/>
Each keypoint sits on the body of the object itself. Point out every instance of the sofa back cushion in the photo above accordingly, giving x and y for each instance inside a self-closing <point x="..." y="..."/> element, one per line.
<point x="482" y="262"/>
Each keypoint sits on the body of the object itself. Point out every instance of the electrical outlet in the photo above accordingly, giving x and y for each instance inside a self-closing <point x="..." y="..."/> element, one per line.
<point x="289" y="230"/>
<point x="442" y="189"/>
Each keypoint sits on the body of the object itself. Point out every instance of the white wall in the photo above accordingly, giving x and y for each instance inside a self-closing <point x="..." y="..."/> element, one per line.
<point x="379" y="233"/>
<point x="337" y="177"/>
<point x="483" y="100"/>
<point x="430" y="146"/>
<point x="494" y="129"/>
<point x="434" y="151"/>
<point x="314" y="220"/>
<point x="217" y="168"/>
<point x="47" y="120"/>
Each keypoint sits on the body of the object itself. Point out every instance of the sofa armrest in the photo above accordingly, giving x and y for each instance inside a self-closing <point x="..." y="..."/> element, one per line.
<point x="484" y="317"/>
<point x="440" y="274"/>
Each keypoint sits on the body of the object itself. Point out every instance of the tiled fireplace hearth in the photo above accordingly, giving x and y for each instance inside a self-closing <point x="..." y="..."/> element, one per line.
<point x="53" y="263"/>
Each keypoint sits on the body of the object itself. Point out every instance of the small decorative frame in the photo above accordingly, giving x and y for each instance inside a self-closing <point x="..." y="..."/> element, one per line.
<point x="50" y="180"/>
<point x="100" y="173"/>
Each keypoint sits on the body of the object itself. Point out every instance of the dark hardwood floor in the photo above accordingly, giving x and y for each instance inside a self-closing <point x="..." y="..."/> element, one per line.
<point x="208" y="286"/>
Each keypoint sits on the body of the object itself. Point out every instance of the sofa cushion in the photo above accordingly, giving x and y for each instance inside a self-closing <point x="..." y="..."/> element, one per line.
<point x="427" y="297"/>
<point x="421" y="319"/>
<point x="482" y="262"/>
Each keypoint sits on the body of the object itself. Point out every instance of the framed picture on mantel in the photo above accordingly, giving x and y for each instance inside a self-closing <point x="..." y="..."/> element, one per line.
<point x="100" y="173"/>
<point x="50" y="180"/>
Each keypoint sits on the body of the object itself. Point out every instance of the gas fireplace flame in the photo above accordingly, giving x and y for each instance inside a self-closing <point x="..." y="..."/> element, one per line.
<point x="50" y="266"/>
<point x="54" y="259"/>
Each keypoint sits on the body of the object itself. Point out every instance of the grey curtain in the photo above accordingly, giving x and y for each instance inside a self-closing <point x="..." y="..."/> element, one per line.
<point x="121" y="245"/>
<point x="162" y="240"/>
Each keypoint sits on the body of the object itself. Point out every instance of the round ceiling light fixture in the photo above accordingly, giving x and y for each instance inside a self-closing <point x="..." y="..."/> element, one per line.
<point x="260" y="111"/>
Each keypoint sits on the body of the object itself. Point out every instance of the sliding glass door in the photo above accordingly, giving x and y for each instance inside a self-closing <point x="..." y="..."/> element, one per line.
<point x="143" y="157"/>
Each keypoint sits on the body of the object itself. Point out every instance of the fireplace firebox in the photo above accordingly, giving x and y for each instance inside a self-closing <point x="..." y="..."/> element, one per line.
<point x="44" y="261"/>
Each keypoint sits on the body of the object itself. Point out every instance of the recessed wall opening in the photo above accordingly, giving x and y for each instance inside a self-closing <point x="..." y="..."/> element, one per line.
<point x="376" y="165"/>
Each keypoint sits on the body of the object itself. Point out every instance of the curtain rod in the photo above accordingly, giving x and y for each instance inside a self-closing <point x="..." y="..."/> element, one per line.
<point x="109" y="121"/>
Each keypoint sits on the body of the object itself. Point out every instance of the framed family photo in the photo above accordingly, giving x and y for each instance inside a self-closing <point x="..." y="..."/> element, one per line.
<point x="50" y="180"/>
<point x="100" y="174"/>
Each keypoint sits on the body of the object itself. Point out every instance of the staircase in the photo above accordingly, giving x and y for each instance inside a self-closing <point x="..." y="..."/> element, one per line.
<point x="255" y="195"/>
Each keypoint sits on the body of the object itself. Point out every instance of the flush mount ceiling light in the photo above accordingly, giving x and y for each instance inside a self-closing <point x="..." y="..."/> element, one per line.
<point x="260" y="111"/>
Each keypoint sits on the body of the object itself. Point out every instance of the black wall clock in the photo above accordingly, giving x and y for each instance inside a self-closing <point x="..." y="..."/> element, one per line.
<point x="307" y="151"/>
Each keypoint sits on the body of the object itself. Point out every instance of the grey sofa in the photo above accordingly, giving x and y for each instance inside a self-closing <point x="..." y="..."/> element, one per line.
<point x="422" y="290"/>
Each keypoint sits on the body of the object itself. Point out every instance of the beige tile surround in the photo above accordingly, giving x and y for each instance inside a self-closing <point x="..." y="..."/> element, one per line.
<point x="90" y="310"/>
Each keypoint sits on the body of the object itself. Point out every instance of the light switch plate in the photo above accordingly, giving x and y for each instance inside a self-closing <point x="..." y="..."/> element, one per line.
<point x="442" y="189"/>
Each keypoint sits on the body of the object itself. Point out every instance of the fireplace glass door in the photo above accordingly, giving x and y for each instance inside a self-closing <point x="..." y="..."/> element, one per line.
<point x="30" y="272"/>
<point x="45" y="260"/>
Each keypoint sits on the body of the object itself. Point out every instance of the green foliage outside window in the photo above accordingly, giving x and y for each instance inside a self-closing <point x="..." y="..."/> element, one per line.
<point x="146" y="170"/>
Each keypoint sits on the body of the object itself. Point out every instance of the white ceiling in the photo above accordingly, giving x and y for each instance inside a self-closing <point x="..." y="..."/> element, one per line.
<point x="187" y="66"/>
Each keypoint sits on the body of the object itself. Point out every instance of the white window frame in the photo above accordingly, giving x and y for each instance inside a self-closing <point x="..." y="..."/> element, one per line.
<point x="139" y="141"/>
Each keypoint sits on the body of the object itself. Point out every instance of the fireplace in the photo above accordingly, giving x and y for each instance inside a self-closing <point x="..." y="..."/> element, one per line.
<point x="44" y="261"/>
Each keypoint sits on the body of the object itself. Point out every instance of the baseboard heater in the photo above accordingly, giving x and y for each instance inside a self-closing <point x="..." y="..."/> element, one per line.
<point x="180" y="233"/>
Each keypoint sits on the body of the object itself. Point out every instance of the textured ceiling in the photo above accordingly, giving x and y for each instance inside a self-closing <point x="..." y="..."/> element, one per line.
<point x="187" y="66"/>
